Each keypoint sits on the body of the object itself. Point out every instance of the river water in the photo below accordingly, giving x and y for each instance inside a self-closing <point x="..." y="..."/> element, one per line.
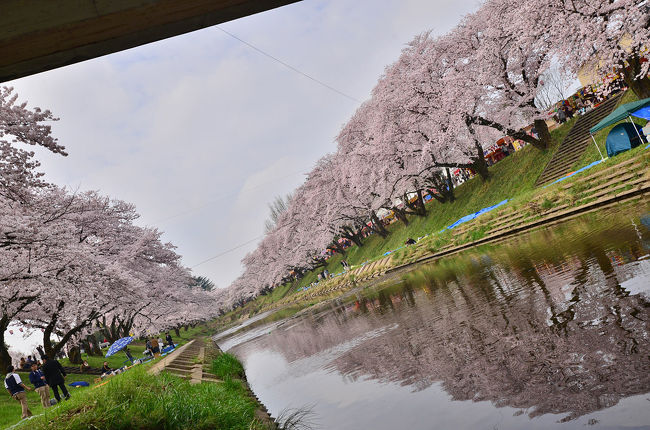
<point x="546" y="330"/>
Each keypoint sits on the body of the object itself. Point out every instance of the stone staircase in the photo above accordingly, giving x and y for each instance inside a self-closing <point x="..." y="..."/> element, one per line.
<point x="188" y="363"/>
<point x="575" y="142"/>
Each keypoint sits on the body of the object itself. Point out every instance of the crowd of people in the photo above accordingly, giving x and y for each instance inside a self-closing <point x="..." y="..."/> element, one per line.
<point x="154" y="346"/>
<point x="47" y="373"/>
<point x="42" y="375"/>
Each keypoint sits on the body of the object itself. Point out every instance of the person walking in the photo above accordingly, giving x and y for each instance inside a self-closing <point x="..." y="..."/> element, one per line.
<point x="37" y="378"/>
<point x="16" y="389"/>
<point x="55" y="377"/>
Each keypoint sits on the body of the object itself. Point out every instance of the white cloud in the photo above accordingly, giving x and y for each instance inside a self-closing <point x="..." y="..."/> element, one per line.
<point x="201" y="131"/>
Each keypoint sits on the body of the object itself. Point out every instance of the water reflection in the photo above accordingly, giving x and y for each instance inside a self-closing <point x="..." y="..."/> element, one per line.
<point x="555" y="322"/>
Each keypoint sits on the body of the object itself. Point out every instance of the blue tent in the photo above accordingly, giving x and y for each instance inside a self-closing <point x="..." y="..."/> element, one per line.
<point x="623" y="137"/>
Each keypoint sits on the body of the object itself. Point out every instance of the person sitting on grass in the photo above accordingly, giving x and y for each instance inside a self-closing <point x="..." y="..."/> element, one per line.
<point x="168" y="338"/>
<point x="37" y="378"/>
<point x="128" y="354"/>
<point x="106" y="368"/>
<point x="23" y="364"/>
<point x="155" y="349"/>
<point x="16" y="389"/>
<point x="84" y="366"/>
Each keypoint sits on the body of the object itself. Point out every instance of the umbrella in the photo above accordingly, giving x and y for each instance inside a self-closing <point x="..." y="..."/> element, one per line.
<point x="118" y="345"/>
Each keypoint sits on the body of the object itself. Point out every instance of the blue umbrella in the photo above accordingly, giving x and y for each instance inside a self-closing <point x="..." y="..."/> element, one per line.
<point x="118" y="345"/>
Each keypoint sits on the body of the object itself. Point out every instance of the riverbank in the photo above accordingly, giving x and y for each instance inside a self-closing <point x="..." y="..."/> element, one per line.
<point x="481" y="339"/>
<point x="512" y="181"/>
<point x="140" y="399"/>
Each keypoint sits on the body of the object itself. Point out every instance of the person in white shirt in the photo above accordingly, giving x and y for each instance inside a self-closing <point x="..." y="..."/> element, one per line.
<point x="16" y="389"/>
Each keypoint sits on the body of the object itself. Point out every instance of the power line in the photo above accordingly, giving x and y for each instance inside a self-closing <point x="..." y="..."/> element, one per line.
<point x="227" y="251"/>
<point x="289" y="66"/>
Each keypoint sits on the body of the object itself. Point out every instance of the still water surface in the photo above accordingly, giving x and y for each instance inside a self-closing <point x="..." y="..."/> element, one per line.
<point x="547" y="330"/>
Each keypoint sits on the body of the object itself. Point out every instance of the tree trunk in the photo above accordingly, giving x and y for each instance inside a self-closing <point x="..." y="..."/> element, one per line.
<point x="85" y="345"/>
<point x="544" y="136"/>
<point x="450" y="186"/>
<point x="74" y="355"/>
<point x="640" y="86"/>
<point x="336" y="247"/>
<point x="177" y="331"/>
<point x="481" y="168"/>
<point x="351" y="235"/>
<point x="418" y="207"/>
<point x="401" y="215"/>
<point x="420" y="202"/>
<point x="5" y="358"/>
<point x="378" y="226"/>
<point x="93" y="347"/>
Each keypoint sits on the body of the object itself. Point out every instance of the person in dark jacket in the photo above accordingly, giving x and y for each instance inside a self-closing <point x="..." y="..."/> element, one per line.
<point x="168" y="338"/>
<point x="37" y="378"/>
<point x="54" y="375"/>
<point x="16" y="389"/>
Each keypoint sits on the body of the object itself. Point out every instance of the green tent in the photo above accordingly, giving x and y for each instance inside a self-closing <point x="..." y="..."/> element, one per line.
<point x="620" y="113"/>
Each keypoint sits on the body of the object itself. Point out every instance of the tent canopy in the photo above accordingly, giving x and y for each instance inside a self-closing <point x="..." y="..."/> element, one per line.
<point x="620" y="113"/>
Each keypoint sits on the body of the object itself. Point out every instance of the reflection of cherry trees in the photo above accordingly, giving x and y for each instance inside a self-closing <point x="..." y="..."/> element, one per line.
<point x="557" y="334"/>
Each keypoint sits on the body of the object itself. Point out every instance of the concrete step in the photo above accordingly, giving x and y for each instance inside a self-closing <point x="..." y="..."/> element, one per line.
<point x="617" y="169"/>
<point x="575" y="142"/>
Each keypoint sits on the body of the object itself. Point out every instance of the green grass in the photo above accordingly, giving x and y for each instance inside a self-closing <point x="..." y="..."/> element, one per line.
<point x="114" y="361"/>
<point x="226" y="366"/>
<point x="10" y="409"/>
<point x="136" y="399"/>
<point x="513" y="178"/>
<point x="137" y="348"/>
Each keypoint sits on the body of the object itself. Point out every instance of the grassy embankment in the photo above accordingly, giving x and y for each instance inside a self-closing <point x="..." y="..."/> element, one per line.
<point x="137" y="348"/>
<point x="136" y="399"/>
<point x="10" y="409"/>
<point x="512" y="178"/>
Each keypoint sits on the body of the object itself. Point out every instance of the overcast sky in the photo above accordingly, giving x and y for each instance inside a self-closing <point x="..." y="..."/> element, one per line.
<point x="201" y="132"/>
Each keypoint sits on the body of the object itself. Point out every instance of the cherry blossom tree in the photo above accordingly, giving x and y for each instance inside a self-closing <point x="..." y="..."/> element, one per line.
<point x="70" y="262"/>
<point x="602" y="36"/>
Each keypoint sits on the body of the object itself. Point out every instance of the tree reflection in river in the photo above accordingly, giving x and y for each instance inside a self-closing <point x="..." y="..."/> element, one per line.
<point x="544" y="324"/>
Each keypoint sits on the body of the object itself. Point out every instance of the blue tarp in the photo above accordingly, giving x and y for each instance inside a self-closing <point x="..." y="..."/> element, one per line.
<point x="623" y="137"/>
<point x="588" y="166"/>
<point x="474" y="215"/>
<point x="390" y="252"/>
<point x="644" y="113"/>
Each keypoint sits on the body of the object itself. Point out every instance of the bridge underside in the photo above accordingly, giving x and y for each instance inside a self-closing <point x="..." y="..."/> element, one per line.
<point x="40" y="35"/>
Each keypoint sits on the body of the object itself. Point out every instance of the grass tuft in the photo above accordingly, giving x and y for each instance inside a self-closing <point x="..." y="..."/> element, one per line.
<point x="226" y="366"/>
